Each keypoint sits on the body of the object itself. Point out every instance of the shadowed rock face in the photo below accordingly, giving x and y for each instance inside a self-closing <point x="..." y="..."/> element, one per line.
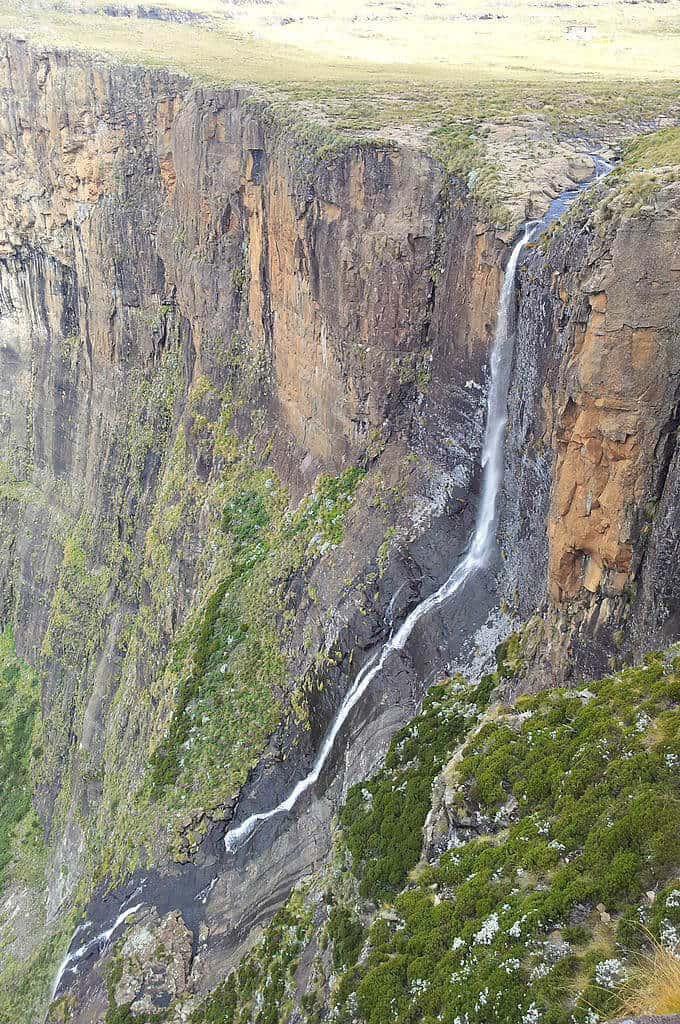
<point x="153" y="235"/>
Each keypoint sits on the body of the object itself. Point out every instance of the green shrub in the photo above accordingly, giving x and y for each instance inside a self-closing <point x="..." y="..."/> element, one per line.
<point x="382" y="819"/>
<point x="505" y="928"/>
<point x="347" y="934"/>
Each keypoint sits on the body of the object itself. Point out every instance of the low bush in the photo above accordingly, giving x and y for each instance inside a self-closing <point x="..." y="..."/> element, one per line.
<point x="347" y="935"/>
<point x="578" y="800"/>
<point x="382" y="819"/>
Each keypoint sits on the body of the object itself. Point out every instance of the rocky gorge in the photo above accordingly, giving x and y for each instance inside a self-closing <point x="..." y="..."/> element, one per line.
<point x="243" y="380"/>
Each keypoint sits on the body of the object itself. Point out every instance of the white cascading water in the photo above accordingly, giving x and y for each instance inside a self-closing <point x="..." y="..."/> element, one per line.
<point x="476" y="557"/>
<point x="99" y="940"/>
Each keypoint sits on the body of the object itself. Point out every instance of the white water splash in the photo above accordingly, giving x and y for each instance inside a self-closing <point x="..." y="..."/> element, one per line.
<point x="72" y="958"/>
<point x="202" y="896"/>
<point x="476" y="557"/>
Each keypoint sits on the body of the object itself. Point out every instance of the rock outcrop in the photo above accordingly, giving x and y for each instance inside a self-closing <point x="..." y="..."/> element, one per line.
<point x="649" y="1018"/>
<point x="153" y="966"/>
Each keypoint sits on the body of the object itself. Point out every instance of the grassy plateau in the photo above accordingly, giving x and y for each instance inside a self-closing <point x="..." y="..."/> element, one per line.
<point x="377" y="65"/>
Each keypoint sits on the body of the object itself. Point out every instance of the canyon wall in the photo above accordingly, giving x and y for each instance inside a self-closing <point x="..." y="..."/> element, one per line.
<point x="197" y="313"/>
<point x="593" y="445"/>
<point x="205" y="322"/>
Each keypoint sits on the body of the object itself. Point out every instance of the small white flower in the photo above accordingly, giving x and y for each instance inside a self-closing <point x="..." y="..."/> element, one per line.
<point x="488" y="930"/>
<point x="515" y="930"/>
<point x="590" y="1017"/>
<point x="532" y="1014"/>
<point x="669" y="935"/>
<point x="610" y="973"/>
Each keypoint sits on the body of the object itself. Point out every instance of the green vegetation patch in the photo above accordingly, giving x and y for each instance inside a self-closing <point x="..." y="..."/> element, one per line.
<point x="383" y="818"/>
<point x="75" y="621"/>
<point x="12" y="486"/>
<point x="347" y="934"/>
<point x="321" y="515"/>
<point x="646" y="179"/>
<point x="658" y="149"/>
<point x="19" y="704"/>
<point x="25" y="983"/>
<point x="569" y="810"/>
<point x="230" y="661"/>
<point x="260" y="990"/>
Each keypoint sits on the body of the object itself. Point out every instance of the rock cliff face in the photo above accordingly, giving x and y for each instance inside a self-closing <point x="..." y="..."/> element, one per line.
<point x="199" y="316"/>
<point x="191" y="302"/>
<point x="593" y="436"/>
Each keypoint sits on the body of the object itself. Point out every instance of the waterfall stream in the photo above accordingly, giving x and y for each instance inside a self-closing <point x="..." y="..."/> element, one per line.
<point x="477" y="555"/>
<point x="99" y="940"/>
<point x="475" y="558"/>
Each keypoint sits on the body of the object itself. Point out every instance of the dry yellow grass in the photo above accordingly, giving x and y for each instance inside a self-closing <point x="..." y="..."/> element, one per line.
<point x="378" y="66"/>
<point x="284" y="40"/>
<point x="655" y="983"/>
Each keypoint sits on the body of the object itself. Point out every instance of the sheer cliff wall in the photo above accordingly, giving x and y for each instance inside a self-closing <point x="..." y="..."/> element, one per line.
<point x="177" y="273"/>
<point x="201" y="313"/>
<point x="592" y="446"/>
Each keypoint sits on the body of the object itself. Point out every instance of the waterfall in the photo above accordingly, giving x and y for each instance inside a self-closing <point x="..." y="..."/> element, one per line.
<point x="480" y="547"/>
<point x="99" y="940"/>
<point x="479" y="550"/>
